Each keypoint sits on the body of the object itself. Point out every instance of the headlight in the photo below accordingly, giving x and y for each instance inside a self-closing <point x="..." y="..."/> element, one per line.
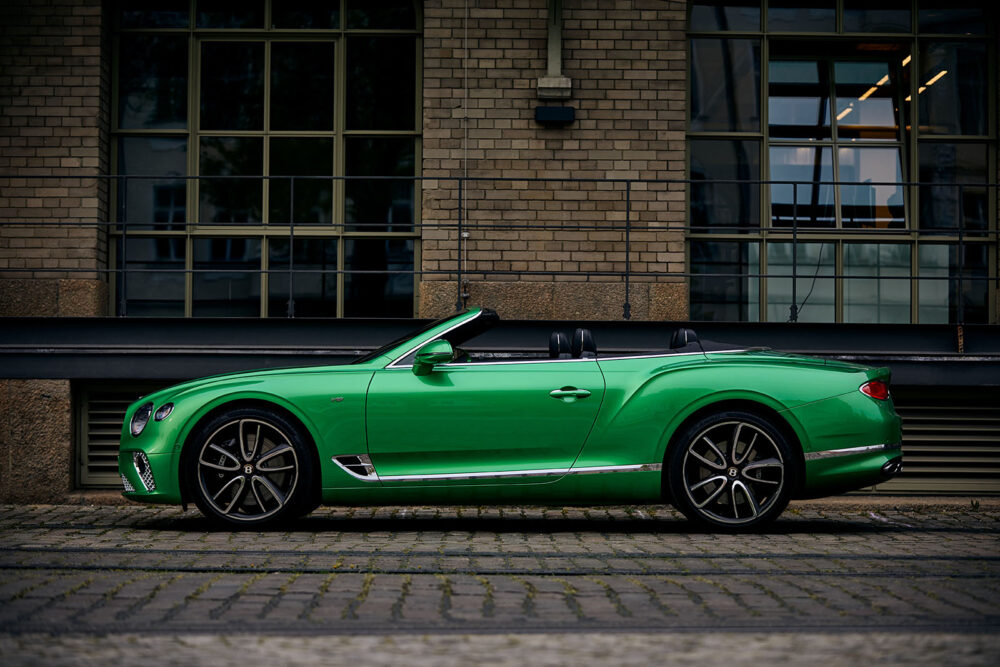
<point x="163" y="412"/>
<point x="140" y="419"/>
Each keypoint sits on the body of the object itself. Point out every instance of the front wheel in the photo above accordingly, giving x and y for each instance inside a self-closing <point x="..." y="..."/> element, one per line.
<point x="250" y="467"/>
<point x="732" y="470"/>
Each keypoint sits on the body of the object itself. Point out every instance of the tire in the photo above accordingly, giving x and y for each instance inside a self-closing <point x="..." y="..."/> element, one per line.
<point x="737" y="487"/>
<point x="250" y="467"/>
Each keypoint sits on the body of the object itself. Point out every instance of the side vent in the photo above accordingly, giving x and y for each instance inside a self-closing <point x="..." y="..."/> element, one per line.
<point x="358" y="466"/>
<point x="951" y="441"/>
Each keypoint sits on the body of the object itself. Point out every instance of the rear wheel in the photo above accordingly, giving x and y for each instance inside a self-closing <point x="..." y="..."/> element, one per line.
<point x="732" y="469"/>
<point x="250" y="467"/>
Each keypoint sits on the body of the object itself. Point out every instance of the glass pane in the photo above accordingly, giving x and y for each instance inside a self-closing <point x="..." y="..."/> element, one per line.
<point x="152" y="82"/>
<point x="154" y="277"/>
<point x="726" y="287"/>
<point x="725" y="85"/>
<point x="153" y="13"/>
<point x="877" y="16"/>
<point x="813" y="268"/>
<point x="302" y="86"/>
<point x="232" y="86"/>
<point x="226" y="282"/>
<point x="386" y="14"/>
<point x="866" y="101"/>
<point x="962" y="196"/>
<point x="725" y="15"/>
<point x="881" y="291"/>
<point x="149" y="203"/>
<point x="306" y="14"/>
<point x="940" y="289"/>
<point x="230" y="13"/>
<point x="799" y="200"/>
<point x="798" y="99"/>
<point x="957" y="17"/>
<point x="232" y="198"/>
<point x="877" y="200"/>
<point x="388" y="294"/>
<point x="725" y="205"/>
<point x="381" y="83"/>
<point x="313" y="197"/>
<point x="952" y="92"/>
<point x="799" y="16"/>
<point x="312" y="285"/>
<point x="379" y="204"/>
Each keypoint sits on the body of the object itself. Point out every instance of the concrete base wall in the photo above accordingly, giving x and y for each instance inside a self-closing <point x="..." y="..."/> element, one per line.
<point x="53" y="298"/>
<point x="36" y="441"/>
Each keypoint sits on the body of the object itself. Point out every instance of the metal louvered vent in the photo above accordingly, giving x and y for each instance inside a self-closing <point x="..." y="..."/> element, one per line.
<point x="951" y="441"/>
<point x="101" y="411"/>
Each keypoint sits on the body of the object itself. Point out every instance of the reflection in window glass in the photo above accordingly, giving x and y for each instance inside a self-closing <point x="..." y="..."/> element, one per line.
<point x="293" y="156"/>
<point x="943" y="300"/>
<point x="799" y="201"/>
<point x="388" y="292"/>
<point x="230" y="13"/>
<point x="877" y="16"/>
<point x="153" y="203"/>
<point x="385" y="14"/>
<point x="866" y="101"/>
<point x="725" y="287"/>
<point x="962" y="196"/>
<point x="379" y="204"/>
<point x="153" y="13"/>
<point x="815" y="290"/>
<point x="877" y="200"/>
<point x="381" y="83"/>
<point x="956" y="17"/>
<point x="232" y="86"/>
<point x="725" y="205"/>
<point x="798" y="101"/>
<point x="799" y="16"/>
<point x="302" y="86"/>
<point x="152" y="82"/>
<point x="881" y="291"/>
<point x="725" y="85"/>
<point x="312" y="286"/>
<point x="226" y="280"/>
<point x="154" y="276"/>
<point x="725" y="15"/>
<point x="952" y="92"/>
<point x="305" y="14"/>
<point x="230" y="198"/>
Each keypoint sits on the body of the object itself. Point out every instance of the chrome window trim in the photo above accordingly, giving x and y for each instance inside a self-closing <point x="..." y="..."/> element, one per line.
<point x="850" y="451"/>
<point x="554" y="361"/>
<point x="392" y="364"/>
<point x="546" y="472"/>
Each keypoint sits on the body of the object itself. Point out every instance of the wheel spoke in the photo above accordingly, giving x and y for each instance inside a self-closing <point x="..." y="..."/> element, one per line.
<point x="260" y="501"/>
<point x="748" y="450"/>
<point x="754" y="507"/>
<point x="715" y="493"/>
<point x="764" y="463"/>
<point x="215" y="448"/>
<point x="715" y="450"/>
<point x="758" y="480"/>
<point x="271" y="488"/>
<point x="710" y="464"/>
<point x="277" y="451"/>
<point x="734" y="445"/>
<point x="237" y="495"/>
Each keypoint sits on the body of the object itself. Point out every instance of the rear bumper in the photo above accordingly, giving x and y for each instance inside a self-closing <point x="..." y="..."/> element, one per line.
<point x="840" y="470"/>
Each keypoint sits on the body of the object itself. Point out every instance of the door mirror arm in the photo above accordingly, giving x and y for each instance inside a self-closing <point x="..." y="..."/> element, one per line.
<point x="436" y="352"/>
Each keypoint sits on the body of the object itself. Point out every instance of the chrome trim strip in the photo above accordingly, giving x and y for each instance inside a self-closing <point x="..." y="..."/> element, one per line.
<point x="393" y="363"/>
<point x="562" y="361"/>
<point x="545" y="472"/>
<point x="370" y="474"/>
<point x="866" y="449"/>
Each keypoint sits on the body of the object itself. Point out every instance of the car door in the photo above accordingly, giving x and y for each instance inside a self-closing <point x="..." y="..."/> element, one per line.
<point x="481" y="421"/>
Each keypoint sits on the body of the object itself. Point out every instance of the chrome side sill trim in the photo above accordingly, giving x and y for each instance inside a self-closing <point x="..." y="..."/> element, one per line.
<point x="867" y="449"/>
<point x="545" y="472"/>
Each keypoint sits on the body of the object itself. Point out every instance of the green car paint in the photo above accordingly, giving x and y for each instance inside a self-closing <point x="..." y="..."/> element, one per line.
<point x="433" y="425"/>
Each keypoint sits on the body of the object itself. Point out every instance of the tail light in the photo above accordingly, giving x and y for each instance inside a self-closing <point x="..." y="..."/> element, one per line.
<point x="876" y="389"/>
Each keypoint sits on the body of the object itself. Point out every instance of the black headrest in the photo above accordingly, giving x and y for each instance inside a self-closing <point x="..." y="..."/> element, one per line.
<point x="583" y="344"/>
<point x="683" y="337"/>
<point x="559" y="346"/>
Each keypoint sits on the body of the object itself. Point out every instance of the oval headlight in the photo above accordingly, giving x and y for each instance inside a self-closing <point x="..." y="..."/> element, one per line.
<point x="141" y="418"/>
<point x="163" y="412"/>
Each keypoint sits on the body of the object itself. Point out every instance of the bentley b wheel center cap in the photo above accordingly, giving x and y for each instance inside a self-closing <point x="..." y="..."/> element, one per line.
<point x="248" y="469"/>
<point x="733" y="472"/>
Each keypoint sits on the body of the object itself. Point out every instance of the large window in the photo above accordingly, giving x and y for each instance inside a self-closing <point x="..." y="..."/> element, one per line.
<point x="842" y="158"/>
<point x="267" y="155"/>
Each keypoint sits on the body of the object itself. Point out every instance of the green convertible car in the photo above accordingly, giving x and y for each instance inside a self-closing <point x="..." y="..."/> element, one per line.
<point x="726" y="435"/>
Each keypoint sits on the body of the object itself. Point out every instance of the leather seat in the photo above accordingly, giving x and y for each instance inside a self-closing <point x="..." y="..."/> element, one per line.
<point x="559" y="347"/>
<point x="583" y="344"/>
<point x="682" y="338"/>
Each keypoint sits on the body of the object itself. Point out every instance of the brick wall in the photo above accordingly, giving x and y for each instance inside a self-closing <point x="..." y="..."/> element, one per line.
<point x="627" y="62"/>
<point x="52" y="143"/>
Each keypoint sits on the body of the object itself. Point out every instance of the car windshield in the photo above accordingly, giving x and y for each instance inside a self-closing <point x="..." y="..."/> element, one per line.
<point x="402" y="339"/>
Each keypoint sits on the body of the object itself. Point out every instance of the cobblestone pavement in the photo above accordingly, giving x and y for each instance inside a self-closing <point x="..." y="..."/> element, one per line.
<point x="898" y="580"/>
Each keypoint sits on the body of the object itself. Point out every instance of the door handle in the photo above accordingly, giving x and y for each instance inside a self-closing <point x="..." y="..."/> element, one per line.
<point x="569" y="394"/>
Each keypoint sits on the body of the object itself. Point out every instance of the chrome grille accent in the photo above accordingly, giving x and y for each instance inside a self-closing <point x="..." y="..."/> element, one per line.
<point x="141" y="464"/>
<point x="128" y="485"/>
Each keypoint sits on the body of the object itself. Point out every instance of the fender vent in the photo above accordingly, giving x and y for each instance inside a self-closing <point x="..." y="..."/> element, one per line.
<point x="358" y="466"/>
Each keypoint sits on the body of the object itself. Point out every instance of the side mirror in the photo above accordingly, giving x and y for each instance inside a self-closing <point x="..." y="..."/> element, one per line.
<point x="436" y="352"/>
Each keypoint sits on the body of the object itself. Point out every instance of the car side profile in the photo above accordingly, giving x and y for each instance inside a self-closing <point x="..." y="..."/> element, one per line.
<point x="726" y="435"/>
